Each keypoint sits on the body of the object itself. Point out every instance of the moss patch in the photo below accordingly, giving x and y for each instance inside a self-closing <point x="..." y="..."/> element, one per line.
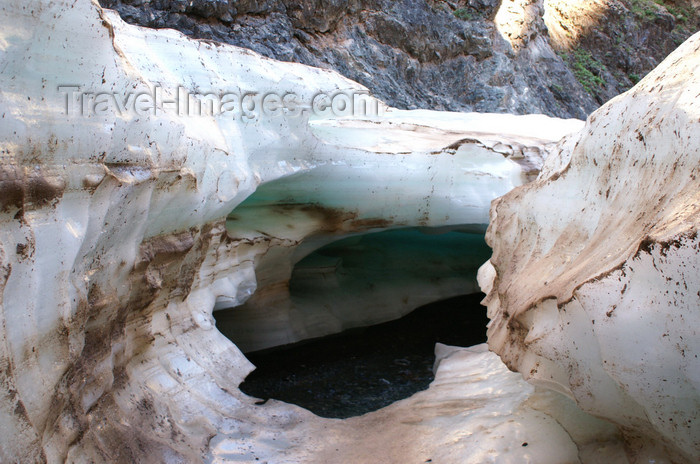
<point x="464" y="14"/>
<point x="587" y="69"/>
<point x="645" y="9"/>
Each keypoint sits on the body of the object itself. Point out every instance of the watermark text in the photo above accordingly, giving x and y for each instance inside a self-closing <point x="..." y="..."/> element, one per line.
<point x="245" y="106"/>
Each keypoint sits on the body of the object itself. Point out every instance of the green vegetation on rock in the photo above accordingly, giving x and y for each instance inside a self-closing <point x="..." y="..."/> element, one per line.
<point x="647" y="9"/>
<point x="586" y="68"/>
<point x="644" y="8"/>
<point x="681" y="13"/>
<point x="463" y="13"/>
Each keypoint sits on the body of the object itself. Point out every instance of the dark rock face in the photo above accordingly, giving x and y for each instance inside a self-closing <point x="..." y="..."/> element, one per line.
<point x="612" y="44"/>
<point x="436" y="54"/>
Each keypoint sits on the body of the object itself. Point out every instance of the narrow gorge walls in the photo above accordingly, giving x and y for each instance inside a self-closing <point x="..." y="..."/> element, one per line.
<point x="125" y="154"/>
<point x="148" y="179"/>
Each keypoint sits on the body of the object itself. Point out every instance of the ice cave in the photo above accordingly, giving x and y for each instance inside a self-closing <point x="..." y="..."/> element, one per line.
<point x="188" y="185"/>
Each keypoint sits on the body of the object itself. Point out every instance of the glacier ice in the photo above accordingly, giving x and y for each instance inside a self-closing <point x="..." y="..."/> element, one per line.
<point x="115" y="245"/>
<point x="445" y="184"/>
<point x="593" y="286"/>
<point x="123" y="230"/>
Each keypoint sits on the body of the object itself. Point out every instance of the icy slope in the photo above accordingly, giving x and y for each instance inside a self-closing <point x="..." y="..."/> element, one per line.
<point x="594" y="283"/>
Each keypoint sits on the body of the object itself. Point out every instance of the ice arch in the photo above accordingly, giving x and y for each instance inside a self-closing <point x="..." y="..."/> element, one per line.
<point x="365" y="179"/>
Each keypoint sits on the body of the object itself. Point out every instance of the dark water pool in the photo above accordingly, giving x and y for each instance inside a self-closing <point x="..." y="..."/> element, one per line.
<point x="362" y="370"/>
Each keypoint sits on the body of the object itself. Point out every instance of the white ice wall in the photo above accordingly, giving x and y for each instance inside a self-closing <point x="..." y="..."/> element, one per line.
<point x="594" y="283"/>
<point x="114" y="250"/>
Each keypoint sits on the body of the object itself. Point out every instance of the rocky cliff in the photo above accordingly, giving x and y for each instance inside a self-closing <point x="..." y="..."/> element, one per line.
<point x="557" y="57"/>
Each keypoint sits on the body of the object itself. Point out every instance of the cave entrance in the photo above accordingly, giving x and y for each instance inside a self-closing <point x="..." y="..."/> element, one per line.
<point x="352" y="303"/>
<point x="365" y="369"/>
